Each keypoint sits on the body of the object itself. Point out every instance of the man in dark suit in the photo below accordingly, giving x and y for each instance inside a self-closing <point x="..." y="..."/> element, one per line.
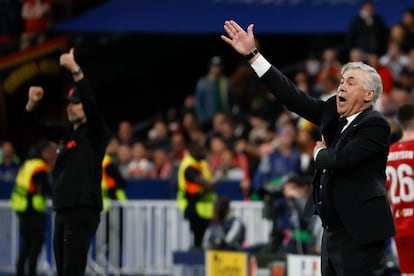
<point x="349" y="191"/>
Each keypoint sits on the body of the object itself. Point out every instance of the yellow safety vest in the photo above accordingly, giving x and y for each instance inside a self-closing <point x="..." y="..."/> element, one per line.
<point x="205" y="205"/>
<point x="108" y="183"/>
<point x="25" y="186"/>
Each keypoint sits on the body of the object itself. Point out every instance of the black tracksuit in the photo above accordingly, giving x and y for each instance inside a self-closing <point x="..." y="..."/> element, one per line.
<point x="77" y="195"/>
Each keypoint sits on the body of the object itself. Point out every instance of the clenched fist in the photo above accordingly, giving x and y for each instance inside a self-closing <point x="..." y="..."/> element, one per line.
<point x="35" y="93"/>
<point x="35" y="96"/>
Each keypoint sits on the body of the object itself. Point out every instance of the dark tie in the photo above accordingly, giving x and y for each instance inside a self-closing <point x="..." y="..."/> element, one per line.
<point x="342" y="122"/>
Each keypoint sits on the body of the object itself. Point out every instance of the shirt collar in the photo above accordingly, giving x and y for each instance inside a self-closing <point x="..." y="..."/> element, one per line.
<point x="350" y="119"/>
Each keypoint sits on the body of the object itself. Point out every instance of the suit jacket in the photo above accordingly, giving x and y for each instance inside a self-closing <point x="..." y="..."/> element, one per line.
<point x="357" y="161"/>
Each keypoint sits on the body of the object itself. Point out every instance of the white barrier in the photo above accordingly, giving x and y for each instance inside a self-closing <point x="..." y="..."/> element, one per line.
<point x="151" y="230"/>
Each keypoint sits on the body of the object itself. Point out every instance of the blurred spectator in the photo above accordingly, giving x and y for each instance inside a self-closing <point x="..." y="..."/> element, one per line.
<point x="384" y="72"/>
<point x="283" y="159"/>
<point x="189" y="121"/>
<point x="241" y="159"/>
<point x="140" y="165"/>
<point x="125" y="132"/>
<point x="407" y="80"/>
<point x="173" y="120"/>
<point x="162" y="167"/>
<point x="213" y="92"/>
<point x="226" y="231"/>
<point x="188" y="104"/>
<point x="292" y="233"/>
<point x="259" y="127"/>
<point x="386" y="77"/>
<point x="395" y="59"/>
<point x="407" y="72"/>
<point x="356" y="54"/>
<point x="312" y="66"/>
<point x="124" y="156"/>
<point x="303" y="82"/>
<point x="217" y="122"/>
<point x="217" y="146"/>
<point x="408" y="22"/>
<point x="391" y="118"/>
<point x="399" y="95"/>
<point x="196" y="133"/>
<point x="328" y="87"/>
<point x="399" y="35"/>
<point x="330" y="66"/>
<point x="241" y="126"/>
<point x="286" y="118"/>
<point x="367" y="31"/>
<point x="306" y="141"/>
<point x="227" y="131"/>
<point x="9" y="162"/>
<point x="178" y="149"/>
<point x="37" y="15"/>
<point x="159" y="136"/>
<point x="229" y="169"/>
<point x="195" y="195"/>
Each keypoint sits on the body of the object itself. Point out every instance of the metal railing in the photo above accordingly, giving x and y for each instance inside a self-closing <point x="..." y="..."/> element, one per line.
<point x="135" y="237"/>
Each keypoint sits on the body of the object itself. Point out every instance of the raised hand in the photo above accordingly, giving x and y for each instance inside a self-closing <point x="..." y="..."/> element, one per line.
<point x="243" y="42"/>
<point x="35" y="95"/>
<point x="67" y="60"/>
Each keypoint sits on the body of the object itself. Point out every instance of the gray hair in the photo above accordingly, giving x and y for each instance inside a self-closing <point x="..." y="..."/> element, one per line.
<point x="372" y="80"/>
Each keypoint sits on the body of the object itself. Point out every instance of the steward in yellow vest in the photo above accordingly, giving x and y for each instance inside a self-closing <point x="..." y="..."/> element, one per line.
<point x="196" y="196"/>
<point x="33" y="180"/>
<point x="28" y="199"/>
<point x="113" y="184"/>
<point x="26" y="193"/>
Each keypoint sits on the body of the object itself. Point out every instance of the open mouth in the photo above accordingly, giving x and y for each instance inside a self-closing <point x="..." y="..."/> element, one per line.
<point x="341" y="99"/>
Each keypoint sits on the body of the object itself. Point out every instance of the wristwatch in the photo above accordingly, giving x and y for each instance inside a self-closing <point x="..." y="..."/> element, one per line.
<point x="250" y="55"/>
<point x="77" y="72"/>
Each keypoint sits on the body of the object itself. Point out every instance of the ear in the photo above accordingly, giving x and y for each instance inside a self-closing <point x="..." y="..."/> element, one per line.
<point x="368" y="95"/>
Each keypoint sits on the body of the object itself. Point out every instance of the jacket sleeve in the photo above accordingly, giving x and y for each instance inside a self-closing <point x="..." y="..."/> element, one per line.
<point x="294" y="99"/>
<point x="365" y="141"/>
<point x="51" y="131"/>
<point x="92" y="112"/>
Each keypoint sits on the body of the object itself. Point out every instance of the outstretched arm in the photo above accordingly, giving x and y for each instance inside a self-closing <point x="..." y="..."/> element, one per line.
<point x="281" y="86"/>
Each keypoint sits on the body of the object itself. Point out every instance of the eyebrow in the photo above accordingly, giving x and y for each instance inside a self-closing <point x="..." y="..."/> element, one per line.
<point x="349" y="78"/>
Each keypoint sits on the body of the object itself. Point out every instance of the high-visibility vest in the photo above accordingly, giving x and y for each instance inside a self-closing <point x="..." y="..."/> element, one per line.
<point x="25" y="186"/>
<point x="205" y="205"/>
<point x="109" y="183"/>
